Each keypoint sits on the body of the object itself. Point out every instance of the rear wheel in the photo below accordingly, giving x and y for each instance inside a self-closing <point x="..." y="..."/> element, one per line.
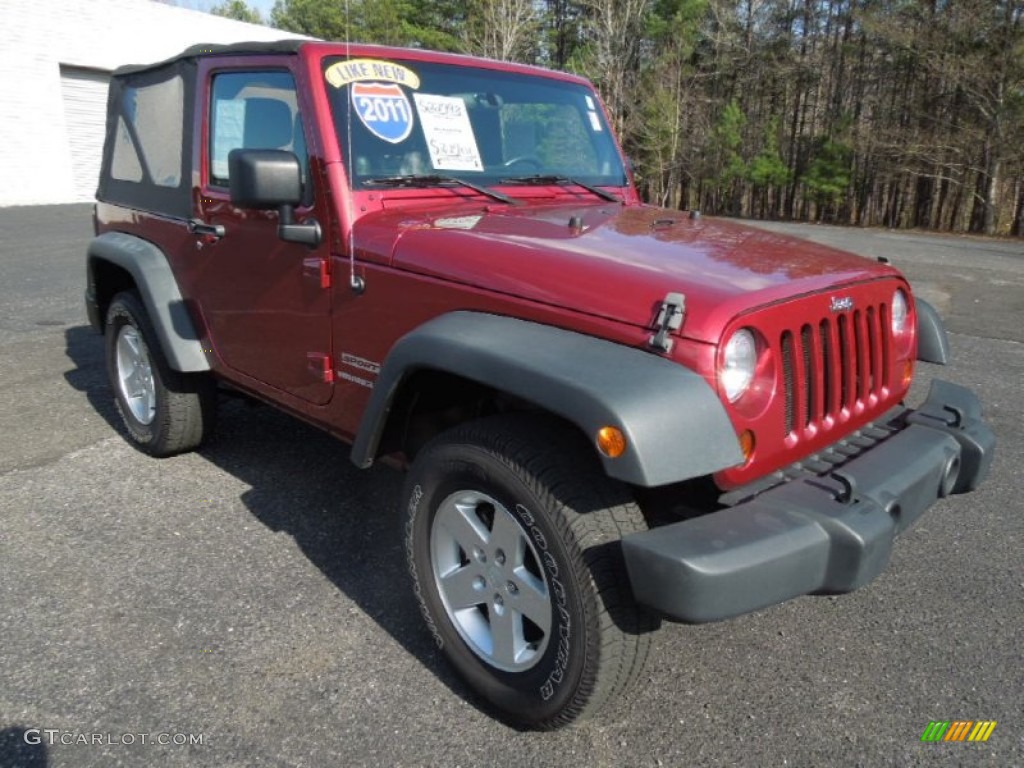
<point x="165" y="411"/>
<point x="512" y="538"/>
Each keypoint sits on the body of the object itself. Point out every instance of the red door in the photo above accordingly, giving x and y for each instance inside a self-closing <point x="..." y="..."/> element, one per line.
<point x="263" y="299"/>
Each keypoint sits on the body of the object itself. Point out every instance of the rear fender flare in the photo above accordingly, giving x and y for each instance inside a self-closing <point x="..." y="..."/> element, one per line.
<point x="676" y="427"/>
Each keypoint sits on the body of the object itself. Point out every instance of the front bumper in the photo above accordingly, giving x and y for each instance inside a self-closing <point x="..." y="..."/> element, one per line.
<point x="824" y="533"/>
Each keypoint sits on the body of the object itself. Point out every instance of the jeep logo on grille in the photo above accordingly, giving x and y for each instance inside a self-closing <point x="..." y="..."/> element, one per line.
<point x="841" y="304"/>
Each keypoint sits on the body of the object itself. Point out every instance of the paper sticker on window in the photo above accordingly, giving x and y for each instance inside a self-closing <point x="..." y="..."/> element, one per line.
<point x="384" y="110"/>
<point x="362" y="70"/>
<point x="228" y="133"/>
<point x="595" y="121"/>
<point x="449" y="135"/>
<point x="590" y="102"/>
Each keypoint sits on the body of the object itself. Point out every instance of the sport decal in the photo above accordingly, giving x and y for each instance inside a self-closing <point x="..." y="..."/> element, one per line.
<point x="361" y="70"/>
<point x="383" y="109"/>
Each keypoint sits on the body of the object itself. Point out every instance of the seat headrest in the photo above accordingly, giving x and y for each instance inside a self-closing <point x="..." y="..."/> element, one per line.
<point x="268" y="124"/>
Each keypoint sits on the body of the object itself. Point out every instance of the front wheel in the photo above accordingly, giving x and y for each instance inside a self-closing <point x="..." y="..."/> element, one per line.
<point x="512" y="537"/>
<point x="164" y="411"/>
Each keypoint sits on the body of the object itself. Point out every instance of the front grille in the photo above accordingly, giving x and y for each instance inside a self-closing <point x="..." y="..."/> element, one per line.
<point x="831" y="366"/>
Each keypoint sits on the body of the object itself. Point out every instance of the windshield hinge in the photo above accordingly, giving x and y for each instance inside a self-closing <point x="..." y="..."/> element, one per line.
<point x="670" y="318"/>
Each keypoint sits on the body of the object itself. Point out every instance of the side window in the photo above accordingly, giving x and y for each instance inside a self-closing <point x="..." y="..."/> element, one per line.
<point x="149" y="134"/>
<point x="254" y="110"/>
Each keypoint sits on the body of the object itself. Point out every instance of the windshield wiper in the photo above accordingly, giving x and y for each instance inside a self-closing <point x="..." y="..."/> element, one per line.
<point x="540" y="180"/>
<point x="434" y="180"/>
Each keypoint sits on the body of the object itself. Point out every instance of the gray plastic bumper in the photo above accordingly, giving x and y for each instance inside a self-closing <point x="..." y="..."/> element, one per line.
<point x="823" y="534"/>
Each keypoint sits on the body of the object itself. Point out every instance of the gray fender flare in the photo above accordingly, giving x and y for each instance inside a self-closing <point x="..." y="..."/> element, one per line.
<point x="932" y="342"/>
<point x="148" y="266"/>
<point x="675" y="426"/>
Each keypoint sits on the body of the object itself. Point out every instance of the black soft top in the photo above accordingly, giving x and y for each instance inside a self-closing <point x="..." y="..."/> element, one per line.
<point x="147" y="156"/>
<point x="199" y="50"/>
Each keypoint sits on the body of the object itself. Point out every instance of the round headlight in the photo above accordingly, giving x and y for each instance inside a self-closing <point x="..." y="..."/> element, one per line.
<point x="899" y="312"/>
<point x="739" y="360"/>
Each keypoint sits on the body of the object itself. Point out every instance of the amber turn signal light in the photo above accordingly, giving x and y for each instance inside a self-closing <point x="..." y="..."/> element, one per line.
<point x="611" y="442"/>
<point x="747" y="444"/>
<point x="908" y="372"/>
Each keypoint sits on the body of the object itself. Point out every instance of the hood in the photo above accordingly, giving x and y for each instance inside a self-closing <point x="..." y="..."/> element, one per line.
<point x="612" y="261"/>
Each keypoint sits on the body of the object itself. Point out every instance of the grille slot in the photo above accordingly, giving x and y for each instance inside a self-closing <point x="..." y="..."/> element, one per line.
<point x="806" y="344"/>
<point x="828" y="371"/>
<point x="858" y="355"/>
<point x="832" y="365"/>
<point x="787" y="376"/>
<point x="844" y="362"/>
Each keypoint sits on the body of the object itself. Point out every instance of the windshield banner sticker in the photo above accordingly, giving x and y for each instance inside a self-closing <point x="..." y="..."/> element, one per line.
<point x="449" y="135"/>
<point x="384" y="110"/>
<point x="361" y="70"/>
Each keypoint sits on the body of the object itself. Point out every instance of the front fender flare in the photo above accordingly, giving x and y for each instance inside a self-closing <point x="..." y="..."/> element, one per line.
<point x="675" y="426"/>
<point x="155" y="281"/>
<point x="932" y="342"/>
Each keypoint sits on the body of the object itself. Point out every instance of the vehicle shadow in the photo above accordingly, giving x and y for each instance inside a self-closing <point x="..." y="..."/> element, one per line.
<point x="23" y="748"/>
<point x="302" y="483"/>
<point x="84" y="347"/>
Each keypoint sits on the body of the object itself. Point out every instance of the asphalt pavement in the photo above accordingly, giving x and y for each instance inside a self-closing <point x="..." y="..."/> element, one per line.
<point x="250" y="600"/>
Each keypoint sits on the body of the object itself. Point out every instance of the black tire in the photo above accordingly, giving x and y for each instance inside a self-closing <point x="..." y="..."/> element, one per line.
<point x="182" y="411"/>
<point x="571" y="516"/>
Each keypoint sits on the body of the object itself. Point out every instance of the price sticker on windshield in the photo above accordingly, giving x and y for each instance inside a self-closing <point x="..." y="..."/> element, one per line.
<point x="450" y="138"/>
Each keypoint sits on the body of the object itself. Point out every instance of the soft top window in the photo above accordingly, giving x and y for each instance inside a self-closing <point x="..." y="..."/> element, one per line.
<point x="153" y="115"/>
<point x="148" y="147"/>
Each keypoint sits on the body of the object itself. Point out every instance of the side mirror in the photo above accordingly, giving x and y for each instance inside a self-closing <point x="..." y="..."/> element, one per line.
<point x="271" y="178"/>
<point x="264" y="178"/>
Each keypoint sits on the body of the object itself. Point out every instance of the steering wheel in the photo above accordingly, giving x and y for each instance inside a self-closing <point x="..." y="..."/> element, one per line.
<point x="524" y="160"/>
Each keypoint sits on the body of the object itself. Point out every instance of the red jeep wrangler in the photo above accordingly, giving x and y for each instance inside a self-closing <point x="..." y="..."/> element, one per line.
<point x="443" y="261"/>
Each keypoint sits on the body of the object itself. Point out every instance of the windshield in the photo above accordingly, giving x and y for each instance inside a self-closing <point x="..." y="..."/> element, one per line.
<point x="441" y="121"/>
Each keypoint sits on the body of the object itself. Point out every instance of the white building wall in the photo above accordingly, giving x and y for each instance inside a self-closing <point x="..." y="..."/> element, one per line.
<point x="38" y="36"/>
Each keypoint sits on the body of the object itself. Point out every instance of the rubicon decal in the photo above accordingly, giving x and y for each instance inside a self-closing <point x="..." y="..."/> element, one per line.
<point x="958" y="730"/>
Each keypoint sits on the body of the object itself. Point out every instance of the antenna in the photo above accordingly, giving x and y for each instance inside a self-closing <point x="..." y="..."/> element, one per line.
<point x="355" y="282"/>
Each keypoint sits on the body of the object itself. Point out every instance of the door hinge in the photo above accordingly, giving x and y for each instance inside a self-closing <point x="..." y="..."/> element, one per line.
<point x="318" y="267"/>
<point x="320" y="366"/>
<point x="670" y="318"/>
